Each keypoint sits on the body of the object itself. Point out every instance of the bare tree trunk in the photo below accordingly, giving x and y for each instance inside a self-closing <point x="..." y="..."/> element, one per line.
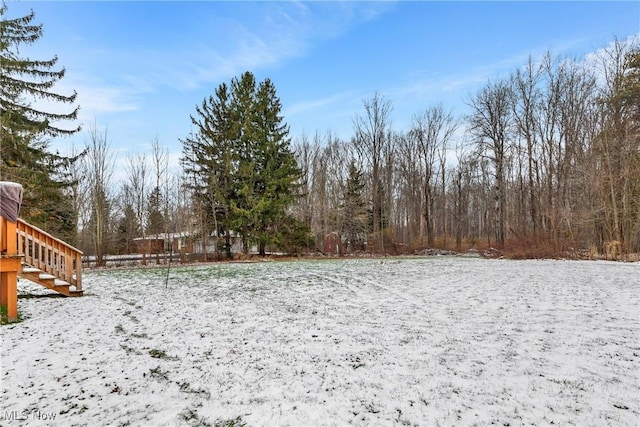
<point x="99" y="166"/>
<point x="136" y="170"/>
<point x="527" y="98"/>
<point x="432" y="131"/>
<point x="80" y="190"/>
<point x="371" y="138"/>
<point x="618" y="145"/>
<point x="490" y="123"/>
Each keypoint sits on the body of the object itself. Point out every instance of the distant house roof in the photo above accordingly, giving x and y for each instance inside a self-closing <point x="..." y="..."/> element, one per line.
<point x="180" y="234"/>
<point x="163" y="236"/>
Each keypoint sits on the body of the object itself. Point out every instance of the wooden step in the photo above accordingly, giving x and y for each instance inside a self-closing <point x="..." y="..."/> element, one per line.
<point x="75" y="293"/>
<point x="61" y="286"/>
<point x="47" y="278"/>
<point x="49" y="281"/>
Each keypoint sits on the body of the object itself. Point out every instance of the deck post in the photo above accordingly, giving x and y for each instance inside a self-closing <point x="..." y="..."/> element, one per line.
<point x="10" y="259"/>
<point x="10" y="264"/>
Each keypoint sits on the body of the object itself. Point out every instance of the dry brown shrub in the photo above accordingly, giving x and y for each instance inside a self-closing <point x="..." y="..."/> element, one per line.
<point x="531" y="248"/>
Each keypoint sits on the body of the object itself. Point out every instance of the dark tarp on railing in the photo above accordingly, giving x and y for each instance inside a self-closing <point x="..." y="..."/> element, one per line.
<point x="10" y="200"/>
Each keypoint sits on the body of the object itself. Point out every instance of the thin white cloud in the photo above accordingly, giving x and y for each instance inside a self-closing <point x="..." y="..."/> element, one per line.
<point x="113" y="79"/>
<point x="601" y="58"/>
<point x="426" y="86"/>
<point x="283" y="31"/>
<point x="306" y="107"/>
<point x="422" y="88"/>
<point x="95" y="101"/>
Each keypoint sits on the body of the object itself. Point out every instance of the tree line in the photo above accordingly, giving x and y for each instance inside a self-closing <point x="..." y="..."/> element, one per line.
<point x="546" y="163"/>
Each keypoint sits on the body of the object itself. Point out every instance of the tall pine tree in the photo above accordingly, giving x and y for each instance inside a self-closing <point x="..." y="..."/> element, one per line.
<point x="240" y="162"/>
<point x="276" y="170"/>
<point x="209" y="160"/>
<point x="245" y="156"/>
<point x="25" y="128"/>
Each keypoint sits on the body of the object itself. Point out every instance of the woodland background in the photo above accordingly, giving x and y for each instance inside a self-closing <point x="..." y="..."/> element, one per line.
<point x="546" y="164"/>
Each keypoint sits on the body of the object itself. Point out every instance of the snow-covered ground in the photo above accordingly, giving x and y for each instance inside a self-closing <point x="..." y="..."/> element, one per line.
<point x="447" y="341"/>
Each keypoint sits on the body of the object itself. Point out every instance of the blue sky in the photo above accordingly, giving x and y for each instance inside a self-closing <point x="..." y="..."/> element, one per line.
<point x="141" y="67"/>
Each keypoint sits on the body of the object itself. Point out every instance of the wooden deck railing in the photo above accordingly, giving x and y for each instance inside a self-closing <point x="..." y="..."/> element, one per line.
<point x="49" y="254"/>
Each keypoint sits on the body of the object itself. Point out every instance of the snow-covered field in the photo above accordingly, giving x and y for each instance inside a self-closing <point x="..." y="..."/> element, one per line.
<point x="447" y="341"/>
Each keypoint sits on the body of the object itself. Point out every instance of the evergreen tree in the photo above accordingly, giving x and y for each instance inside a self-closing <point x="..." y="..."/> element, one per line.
<point x="240" y="162"/>
<point x="155" y="220"/>
<point x="210" y="161"/>
<point x="276" y="169"/>
<point x="354" y="210"/>
<point x="24" y="128"/>
<point x="128" y="229"/>
<point x="245" y="156"/>
<point x="294" y="235"/>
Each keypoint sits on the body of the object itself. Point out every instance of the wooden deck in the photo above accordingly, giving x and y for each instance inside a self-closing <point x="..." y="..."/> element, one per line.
<point x="33" y="254"/>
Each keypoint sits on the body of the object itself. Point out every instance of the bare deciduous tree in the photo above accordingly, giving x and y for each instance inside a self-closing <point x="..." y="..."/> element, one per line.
<point x="99" y="166"/>
<point x="491" y="122"/>
<point x="617" y="145"/>
<point x="432" y="131"/>
<point x="371" y="142"/>
<point x="136" y="181"/>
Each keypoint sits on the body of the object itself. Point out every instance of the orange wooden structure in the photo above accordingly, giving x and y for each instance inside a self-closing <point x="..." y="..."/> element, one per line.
<point x="10" y="266"/>
<point x="35" y="255"/>
<point x="48" y="261"/>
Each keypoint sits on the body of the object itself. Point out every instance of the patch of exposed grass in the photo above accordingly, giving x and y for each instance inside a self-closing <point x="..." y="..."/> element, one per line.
<point x="161" y="354"/>
<point x="4" y="318"/>
<point x="142" y="335"/>
<point x="129" y="350"/>
<point x="190" y="416"/>
<point x="158" y="373"/>
<point x="185" y="387"/>
<point x="157" y="354"/>
<point x="235" y="422"/>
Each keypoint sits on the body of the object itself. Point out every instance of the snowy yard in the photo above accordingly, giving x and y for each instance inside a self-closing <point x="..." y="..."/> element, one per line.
<point x="447" y="341"/>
